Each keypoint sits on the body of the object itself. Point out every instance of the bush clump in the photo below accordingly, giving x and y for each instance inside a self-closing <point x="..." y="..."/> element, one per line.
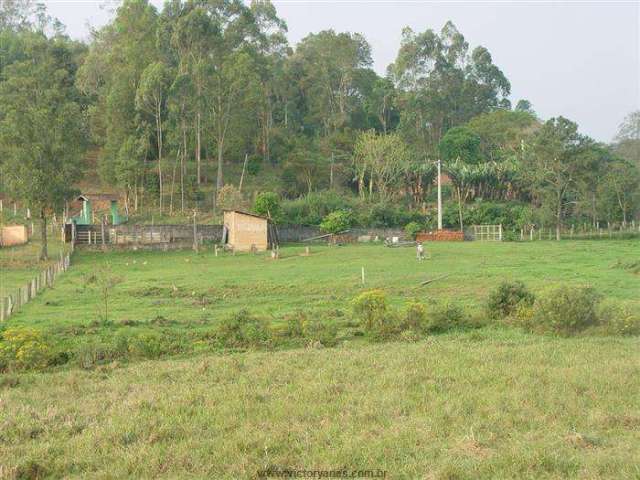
<point x="616" y="319"/>
<point x="415" y="317"/>
<point x="336" y="222"/>
<point x="267" y="204"/>
<point x="445" y="316"/>
<point x="412" y="229"/>
<point x="372" y="310"/>
<point x="323" y="332"/>
<point x="505" y="299"/>
<point x="23" y="348"/>
<point x="564" y="310"/>
<point x="242" y="330"/>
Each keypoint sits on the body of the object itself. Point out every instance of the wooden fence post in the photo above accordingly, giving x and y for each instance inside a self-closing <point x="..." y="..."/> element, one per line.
<point x="195" y="233"/>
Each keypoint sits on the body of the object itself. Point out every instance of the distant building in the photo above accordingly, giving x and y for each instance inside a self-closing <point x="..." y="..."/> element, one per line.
<point x="94" y="205"/>
<point x="245" y="231"/>
<point x="11" y="235"/>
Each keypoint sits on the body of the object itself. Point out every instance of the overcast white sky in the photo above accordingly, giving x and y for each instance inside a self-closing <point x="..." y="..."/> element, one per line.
<point x="577" y="59"/>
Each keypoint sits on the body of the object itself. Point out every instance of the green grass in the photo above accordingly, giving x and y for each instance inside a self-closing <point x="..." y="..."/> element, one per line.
<point x="188" y="287"/>
<point x="19" y="264"/>
<point x="486" y="404"/>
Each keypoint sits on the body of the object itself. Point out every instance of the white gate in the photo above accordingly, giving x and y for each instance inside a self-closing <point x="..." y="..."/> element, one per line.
<point x="487" y="233"/>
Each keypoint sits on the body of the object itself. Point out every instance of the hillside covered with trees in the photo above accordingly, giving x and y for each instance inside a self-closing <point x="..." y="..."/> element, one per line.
<point x="205" y="105"/>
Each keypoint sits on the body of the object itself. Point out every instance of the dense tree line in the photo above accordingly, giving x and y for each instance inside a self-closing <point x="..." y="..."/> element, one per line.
<point x="175" y="98"/>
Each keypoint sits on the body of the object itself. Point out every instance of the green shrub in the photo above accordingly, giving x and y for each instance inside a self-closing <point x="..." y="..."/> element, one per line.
<point x="371" y="309"/>
<point x="23" y="348"/>
<point x="147" y="345"/>
<point x="254" y="164"/>
<point x="386" y="214"/>
<point x="415" y="317"/>
<point x="310" y="209"/>
<point x="88" y="355"/>
<point x="565" y="310"/>
<point x="617" y="319"/>
<point x="295" y="325"/>
<point x="442" y="317"/>
<point x="322" y="331"/>
<point x="267" y="204"/>
<point x="412" y="229"/>
<point x="242" y="330"/>
<point x="336" y="222"/>
<point x="504" y="300"/>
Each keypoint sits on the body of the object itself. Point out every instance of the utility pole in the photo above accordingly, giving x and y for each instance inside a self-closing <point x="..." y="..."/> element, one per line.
<point x="439" y="198"/>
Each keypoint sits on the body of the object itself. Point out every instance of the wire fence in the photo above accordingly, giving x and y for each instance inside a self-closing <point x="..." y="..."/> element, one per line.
<point x="22" y="295"/>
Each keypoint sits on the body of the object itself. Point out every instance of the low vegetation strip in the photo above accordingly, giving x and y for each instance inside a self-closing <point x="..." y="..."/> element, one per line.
<point x="485" y="404"/>
<point x="195" y="303"/>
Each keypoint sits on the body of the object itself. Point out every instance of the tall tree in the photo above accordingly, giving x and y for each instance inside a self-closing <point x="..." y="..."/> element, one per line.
<point x="111" y="73"/>
<point x="151" y="98"/>
<point x="327" y="67"/>
<point x="553" y="164"/>
<point x="460" y="150"/>
<point x="441" y="85"/>
<point x="384" y="159"/>
<point x="627" y="141"/>
<point x="41" y="130"/>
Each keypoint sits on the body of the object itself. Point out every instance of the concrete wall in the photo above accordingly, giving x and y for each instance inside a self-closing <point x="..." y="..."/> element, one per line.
<point x="13" y="235"/>
<point x="298" y="233"/>
<point x="130" y="234"/>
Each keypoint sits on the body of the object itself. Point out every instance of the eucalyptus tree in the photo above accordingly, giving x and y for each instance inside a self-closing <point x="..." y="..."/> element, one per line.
<point x="460" y="151"/>
<point x="384" y="159"/>
<point x="442" y="85"/>
<point x="41" y="129"/>
<point x="627" y="141"/>
<point x="192" y="39"/>
<point x="128" y="167"/>
<point x="502" y="132"/>
<point x="621" y="182"/>
<point x="326" y="67"/>
<point x="179" y="105"/>
<point x="151" y="97"/>
<point x="111" y="73"/>
<point x="552" y="167"/>
<point x="271" y="51"/>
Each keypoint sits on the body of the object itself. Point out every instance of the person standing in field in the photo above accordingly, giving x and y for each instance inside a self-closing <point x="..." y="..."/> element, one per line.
<point x="420" y="251"/>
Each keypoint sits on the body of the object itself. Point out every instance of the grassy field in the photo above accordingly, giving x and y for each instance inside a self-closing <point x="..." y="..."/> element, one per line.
<point x="487" y="404"/>
<point x="185" y="289"/>
<point x="18" y="265"/>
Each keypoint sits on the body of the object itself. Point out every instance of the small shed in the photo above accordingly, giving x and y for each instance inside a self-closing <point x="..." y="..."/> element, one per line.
<point x="245" y="231"/>
<point x="11" y="235"/>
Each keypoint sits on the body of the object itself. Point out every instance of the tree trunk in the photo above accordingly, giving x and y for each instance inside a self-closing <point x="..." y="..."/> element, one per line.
<point x="173" y="182"/>
<point x="159" y="129"/>
<point x="198" y="145"/>
<point x="135" y="197"/>
<point x="43" y="223"/>
<point x="558" y="219"/>
<point x="127" y="199"/>
<point x="182" y="166"/>
<point x="219" y="181"/>
<point x="460" y="208"/>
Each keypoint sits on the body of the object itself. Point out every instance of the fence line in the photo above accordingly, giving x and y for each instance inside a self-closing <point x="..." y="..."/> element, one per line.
<point x="12" y="302"/>
<point x="580" y="232"/>
<point x="487" y="233"/>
